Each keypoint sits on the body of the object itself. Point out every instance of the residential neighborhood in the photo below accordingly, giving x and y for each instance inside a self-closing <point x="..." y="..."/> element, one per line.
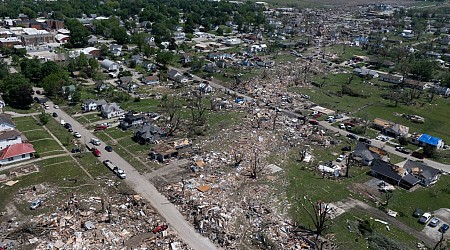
<point x="224" y="124"/>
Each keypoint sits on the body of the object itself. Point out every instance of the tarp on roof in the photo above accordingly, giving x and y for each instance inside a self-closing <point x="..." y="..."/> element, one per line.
<point x="428" y="139"/>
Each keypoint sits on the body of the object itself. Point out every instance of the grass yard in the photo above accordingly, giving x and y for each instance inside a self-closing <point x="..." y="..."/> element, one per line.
<point x="425" y="198"/>
<point x="304" y="180"/>
<point x="348" y="236"/>
<point x="60" y="132"/>
<point x="93" y="165"/>
<point x="55" y="172"/>
<point x="144" y="105"/>
<point x="345" y="52"/>
<point x="26" y="123"/>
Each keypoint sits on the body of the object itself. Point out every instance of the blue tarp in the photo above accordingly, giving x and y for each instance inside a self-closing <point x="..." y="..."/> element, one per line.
<point x="428" y="139"/>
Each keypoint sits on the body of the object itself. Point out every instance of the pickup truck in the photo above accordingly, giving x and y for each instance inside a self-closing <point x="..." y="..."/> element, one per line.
<point x="119" y="172"/>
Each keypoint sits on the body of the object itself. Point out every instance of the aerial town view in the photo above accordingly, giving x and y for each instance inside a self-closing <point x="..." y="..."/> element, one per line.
<point x="216" y="124"/>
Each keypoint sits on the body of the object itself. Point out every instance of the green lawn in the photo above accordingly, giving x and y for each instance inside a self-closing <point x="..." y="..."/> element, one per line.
<point x="425" y="198"/>
<point x="55" y="172"/>
<point x="47" y="147"/>
<point x="26" y="123"/>
<point x="60" y="132"/>
<point x="345" y="52"/>
<point x="347" y="235"/>
<point x="144" y="105"/>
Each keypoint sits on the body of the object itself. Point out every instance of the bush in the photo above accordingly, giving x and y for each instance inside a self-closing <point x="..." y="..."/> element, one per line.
<point x="137" y="99"/>
<point x="37" y="155"/>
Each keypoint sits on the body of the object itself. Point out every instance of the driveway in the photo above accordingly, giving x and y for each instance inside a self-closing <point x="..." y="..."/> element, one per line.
<point x="144" y="187"/>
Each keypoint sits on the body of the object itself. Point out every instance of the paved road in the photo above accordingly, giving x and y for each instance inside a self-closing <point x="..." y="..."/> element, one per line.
<point x="144" y="187"/>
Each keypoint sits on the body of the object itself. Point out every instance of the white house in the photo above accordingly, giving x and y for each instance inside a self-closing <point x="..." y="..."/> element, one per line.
<point x="109" y="65"/>
<point x="177" y="76"/>
<point x="9" y="137"/>
<point x="111" y="110"/>
<point x="16" y="152"/>
<point x="6" y="123"/>
<point x="89" y="105"/>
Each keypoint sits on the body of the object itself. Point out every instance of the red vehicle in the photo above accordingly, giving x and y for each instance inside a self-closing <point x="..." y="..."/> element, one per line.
<point x="159" y="228"/>
<point x="99" y="128"/>
<point x="313" y="122"/>
<point x="96" y="152"/>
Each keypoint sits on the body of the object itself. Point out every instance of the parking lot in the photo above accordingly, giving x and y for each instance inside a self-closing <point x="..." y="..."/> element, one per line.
<point x="443" y="215"/>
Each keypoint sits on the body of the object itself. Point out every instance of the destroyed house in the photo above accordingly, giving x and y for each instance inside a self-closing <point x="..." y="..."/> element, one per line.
<point x="390" y="128"/>
<point x="393" y="174"/>
<point x="163" y="152"/>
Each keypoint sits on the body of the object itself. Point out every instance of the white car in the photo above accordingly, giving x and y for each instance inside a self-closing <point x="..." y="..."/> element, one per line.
<point x="340" y="158"/>
<point x="342" y="126"/>
<point x="425" y="218"/>
<point x="56" y="106"/>
<point x="63" y="122"/>
<point x="95" y="141"/>
<point x="77" y="135"/>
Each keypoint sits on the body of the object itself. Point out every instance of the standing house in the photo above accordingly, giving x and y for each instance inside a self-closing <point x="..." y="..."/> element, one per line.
<point x="131" y="121"/>
<point x="149" y="133"/>
<point x="9" y="137"/>
<point x="6" y="123"/>
<point x="397" y="79"/>
<point x="426" y="174"/>
<point x="111" y="110"/>
<point x="89" y="105"/>
<point x="424" y="139"/>
<point x="109" y="65"/>
<point x="367" y="154"/>
<point x="393" y="174"/>
<point x="177" y="76"/>
<point x="16" y="152"/>
<point x="150" y="80"/>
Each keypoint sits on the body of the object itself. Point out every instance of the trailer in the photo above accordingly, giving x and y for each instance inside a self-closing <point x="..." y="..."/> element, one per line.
<point x="118" y="171"/>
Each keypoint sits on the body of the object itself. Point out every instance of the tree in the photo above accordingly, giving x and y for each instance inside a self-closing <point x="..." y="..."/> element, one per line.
<point x="164" y="57"/>
<point x="429" y="151"/>
<point x="79" y="35"/>
<point x="319" y="213"/>
<point x="44" y="118"/>
<point x="53" y="83"/>
<point x="402" y="140"/>
<point x="255" y="167"/>
<point x="76" y="96"/>
<point x="31" y="69"/>
<point x="17" y="91"/>
<point x="198" y="110"/>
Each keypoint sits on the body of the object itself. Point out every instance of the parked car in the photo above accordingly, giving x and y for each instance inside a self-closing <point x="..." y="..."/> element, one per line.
<point x="67" y="125"/>
<point x="70" y="130"/>
<point x="56" y="106"/>
<point x="346" y="148"/>
<point x="365" y="140"/>
<point x="75" y="150"/>
<point x="99" y="128"/>
<point x="403" y="150"/>
<point x="55" y="114"/>
<point x="417" y="212"/>
<point x="381" y="138"/>
<point x="77" y="135"/>
<point x="342" y="126"/>
<point x="443" y="228"/>
<point x="313" y="122"/>
<point x="109" y="148"/>
<point x="35" y="204"/>
<point x="417" y="155"/>
<point x="425" y="218"/>
<point x="340" y="158"/>
<point x="96" y="152"/>
<point x="63" y="122"/>
<point x="352" y="136"/>
<point x="434" y="222"/>
<point x="95" y="141"/>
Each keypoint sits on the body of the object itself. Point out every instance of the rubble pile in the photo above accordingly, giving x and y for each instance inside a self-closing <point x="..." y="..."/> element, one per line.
<point x="115" y="222"/>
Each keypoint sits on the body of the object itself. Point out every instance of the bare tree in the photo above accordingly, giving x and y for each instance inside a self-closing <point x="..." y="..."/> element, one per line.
<point x="237" y="157"/>
<point x="319" y="213"/>
<point x="198" y="110"/>
<point x="441" y="244"/>
<point x="255" y="167"/>
<point x="275" y="119"/>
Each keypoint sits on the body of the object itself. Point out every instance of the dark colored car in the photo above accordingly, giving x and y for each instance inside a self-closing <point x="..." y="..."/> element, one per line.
<point x="346" y="148"/>
<point x="70" y="130"/>
<point x="352" y="136"/>
<point x="55" y="114"/>
<point x="109" y="148"/>
<point x="313" y="122"/>
<point x="417" y="155"/>
<point x="417" y="213"/>
<point x="67" y="125"/>
<point x="75" y="150"/>
<point x="38" y="92"/>
<point x="365" y="140"/>
<point x="443" y="228"/>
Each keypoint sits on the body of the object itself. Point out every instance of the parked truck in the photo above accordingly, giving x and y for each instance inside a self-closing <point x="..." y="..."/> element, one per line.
<point x="119" y="172"/>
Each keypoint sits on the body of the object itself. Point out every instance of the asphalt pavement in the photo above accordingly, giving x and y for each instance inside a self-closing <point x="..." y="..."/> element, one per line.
<point x="143" y="187"/>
